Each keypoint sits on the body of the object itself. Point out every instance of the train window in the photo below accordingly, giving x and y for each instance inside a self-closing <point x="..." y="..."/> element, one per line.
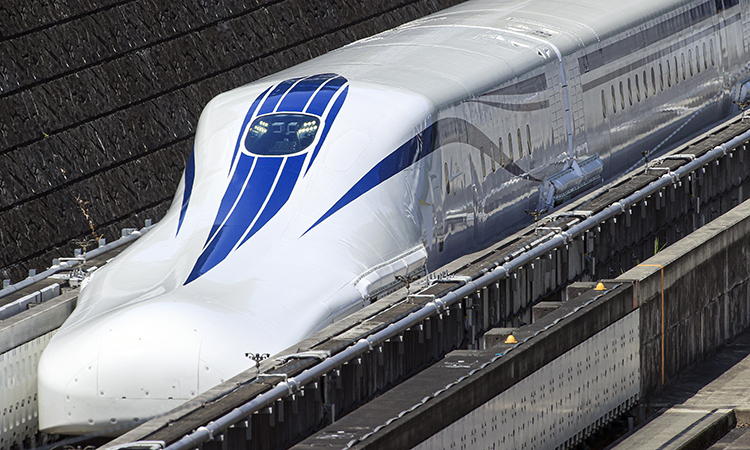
<point x="697" y="60"/>
<point x="711" y="48"/>
<point x="669" y="74"/>
<point x="520" y="144"/>
<point x="484" y="165"/>
<point x="604" y="105"/>
<point x="447" y="179"/>
<point x="677" y="71"/>
<point x="493" y="157"/>
<point x="682" y="58"/>
<point x="653" y="80"/>
<point x="727" y="4"/>
<point x="614" y="100"/>
<point x="510" y="146"/>
<point x="705" y="60"/>
<point x="630" y="93"/>
<point x="661" y="78"/>
<point x="622" y="97"/>
<point x="645" y="85"/>
<point x="638" y="87"/>
<point x="500" y="146"/>
<point x="281" y="134"/>
<point x="528" y="138"/>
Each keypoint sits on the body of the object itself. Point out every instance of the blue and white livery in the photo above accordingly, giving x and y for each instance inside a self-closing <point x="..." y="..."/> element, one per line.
<point x="308" y="192"/>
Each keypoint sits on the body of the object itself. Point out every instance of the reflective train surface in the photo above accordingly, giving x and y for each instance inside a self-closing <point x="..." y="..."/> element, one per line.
<point x="310" y="190"/>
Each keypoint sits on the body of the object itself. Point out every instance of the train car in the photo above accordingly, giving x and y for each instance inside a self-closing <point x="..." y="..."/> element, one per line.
<point x="309" y="191"/>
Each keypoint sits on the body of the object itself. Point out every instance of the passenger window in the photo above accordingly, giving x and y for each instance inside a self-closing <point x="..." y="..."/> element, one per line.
<point x="653" y="79"/>
<point x="682" y="58"/>
<point x="676" y="71"/>
<point x="528" y="138"/>
<point x="614" y="100"/>
<point x="637" y="89"/>
<point x="711" y="48"/>
<point x="661" y="78"/>
<point x="630" y="93"/>
<point x="705" y="60"/>
<point x="669" y="75"/>
<point x="645" y="85"/>
<point x="492" y="158"/>
<point x="500" y="145"/>
<point x="520" y="144"/>
<point x="484" y="165"/>
<point x="697" y="60"/>
<point x="447" y="179"/>
<point x="510" y="146"/>
<point x="622" y="97"/>
<point x="604" y="105"/>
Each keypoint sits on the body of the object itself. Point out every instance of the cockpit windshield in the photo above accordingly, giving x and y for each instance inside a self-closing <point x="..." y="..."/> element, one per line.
<point x="281" y="134"/>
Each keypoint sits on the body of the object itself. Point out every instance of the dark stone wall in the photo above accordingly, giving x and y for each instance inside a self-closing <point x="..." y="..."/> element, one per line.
<point x="99" y="101"/>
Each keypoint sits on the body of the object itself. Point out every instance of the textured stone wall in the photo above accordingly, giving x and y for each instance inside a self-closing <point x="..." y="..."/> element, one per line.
<point x="99" y="101"/>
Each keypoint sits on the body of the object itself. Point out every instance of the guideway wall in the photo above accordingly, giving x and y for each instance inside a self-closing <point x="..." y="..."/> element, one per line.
<point x="578" y="367"/>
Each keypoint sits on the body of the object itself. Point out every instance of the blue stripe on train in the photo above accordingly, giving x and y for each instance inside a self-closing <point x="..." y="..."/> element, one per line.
<point x="296" y="99"/>
<point x="287" y="181"/>
<point x="329" y="121"/>
<point x="240" y="176"/>
<point x="407" y="154"/>
<point x="251" y="187"/>
<point x="248" y="207"/>
<point x="189" y="178"/>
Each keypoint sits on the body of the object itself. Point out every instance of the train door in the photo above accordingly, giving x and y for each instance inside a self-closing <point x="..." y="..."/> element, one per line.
<point x="575" y="98"/>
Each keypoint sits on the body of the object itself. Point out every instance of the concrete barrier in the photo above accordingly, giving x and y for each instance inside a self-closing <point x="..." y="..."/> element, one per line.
<point x="694" y="296"/>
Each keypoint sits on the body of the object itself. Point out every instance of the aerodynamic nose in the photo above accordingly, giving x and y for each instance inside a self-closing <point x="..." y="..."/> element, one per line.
<point x="111" y="373"/>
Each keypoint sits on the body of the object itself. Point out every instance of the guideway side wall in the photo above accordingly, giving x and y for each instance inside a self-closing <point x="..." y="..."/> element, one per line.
<point x="694" y="296"/>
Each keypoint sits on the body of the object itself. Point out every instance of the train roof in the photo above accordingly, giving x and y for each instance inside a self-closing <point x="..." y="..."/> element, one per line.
<point x="464" y="50"/>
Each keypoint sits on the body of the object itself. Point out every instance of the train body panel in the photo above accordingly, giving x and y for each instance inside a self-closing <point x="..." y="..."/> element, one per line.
<point x="310" y="190"/>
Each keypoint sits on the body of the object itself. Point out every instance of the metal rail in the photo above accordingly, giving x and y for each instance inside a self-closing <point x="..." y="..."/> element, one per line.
<point x="439" y="305"/>
<point x="73" y="262"/>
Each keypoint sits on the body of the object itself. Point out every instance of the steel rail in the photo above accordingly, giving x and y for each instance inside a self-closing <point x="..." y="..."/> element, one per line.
<point x="73" y="262"/>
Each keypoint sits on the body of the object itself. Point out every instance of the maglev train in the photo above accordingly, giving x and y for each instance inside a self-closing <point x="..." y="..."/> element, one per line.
<point x="309" y="191"/>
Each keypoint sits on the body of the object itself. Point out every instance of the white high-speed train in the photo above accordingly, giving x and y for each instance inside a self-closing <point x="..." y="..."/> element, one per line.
<point x="310" y="190"/>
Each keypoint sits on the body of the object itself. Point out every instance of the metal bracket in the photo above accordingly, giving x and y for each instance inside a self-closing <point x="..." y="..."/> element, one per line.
<point x="578" y="213"/>
<point x="454" y="279"/>
<point x="317" y="354"/>
<point x="139" y="445"/>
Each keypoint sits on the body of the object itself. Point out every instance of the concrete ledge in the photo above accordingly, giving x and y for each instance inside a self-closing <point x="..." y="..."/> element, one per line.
<point x="681" y="429"/>
<point x="742" y="413"/>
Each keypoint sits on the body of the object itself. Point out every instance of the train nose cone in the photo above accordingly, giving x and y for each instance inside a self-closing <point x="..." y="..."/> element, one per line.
<point x="111" y="373"/>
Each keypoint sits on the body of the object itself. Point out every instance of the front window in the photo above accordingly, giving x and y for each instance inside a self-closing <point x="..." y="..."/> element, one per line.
<point x="281" y="134"/>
